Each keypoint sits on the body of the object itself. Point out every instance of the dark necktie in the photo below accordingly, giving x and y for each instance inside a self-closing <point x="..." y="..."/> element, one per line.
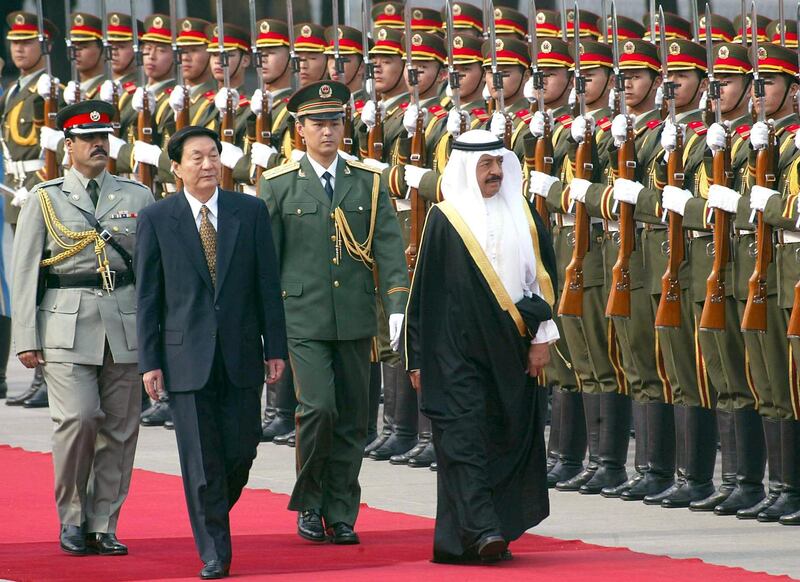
<point x="208" y="237"/>
<point x="328" y="186"/>
<point x="91" y="188"/>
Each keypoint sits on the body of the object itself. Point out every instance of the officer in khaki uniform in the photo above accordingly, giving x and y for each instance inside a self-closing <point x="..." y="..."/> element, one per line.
<point x="333" y="223"/>
<point x="74" y="311"/>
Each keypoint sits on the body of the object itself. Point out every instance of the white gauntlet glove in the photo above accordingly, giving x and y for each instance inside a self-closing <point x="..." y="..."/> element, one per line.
<point x="107" y="90"/>
<point x="395" y="330"/>
<point x="612" y="95"/>
<point x="260" y="153"/>
<point x="577" y="190"/>
<point x="146" y="153"/>
<point x="669" y="135"/>
<point x="759" y="135"/>
<point x="528" y="90"/>
<point x="410" y="119"/>
<point x="619" y="129"/>
<point x="675" y="199"/>
<point x="257" y="100"/>
<point x="486" y="93"/>
<point x="413" y="175"/>
<point x="572" y="97"/>
<point x="114" y="145"/>
<point x="759" y="197"/>
<point x="221" y="99"/>
<point x="49" y="138"/>
<point x="497" y="125"/>
<point x="540" y="184"/>
<point x="723" y="198"/>
<point x="703" y="101"/>
<point x="137" y="101"/>
<point x="230" y="155"/>
<point x="43" y="85"/>
<point x="659" y="97"/>
<point x="716" y="137"/>
<point x="20" y="197"/>
<point x="69" y="93"/>
<point x="579" y="125"/>
<point x="176" y="99"/>
<point x="368" y="113"/>
<point x="454" y="118"/>
<point x="627" y="190"/>
<point x="537" y="123"/>
<point x="797" y="140"/>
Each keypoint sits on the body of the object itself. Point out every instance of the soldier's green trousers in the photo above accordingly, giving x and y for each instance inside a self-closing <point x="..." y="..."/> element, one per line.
<point x="332" y="386"/>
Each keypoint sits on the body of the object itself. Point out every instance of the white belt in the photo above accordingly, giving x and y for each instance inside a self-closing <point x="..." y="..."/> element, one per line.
<point x="612" y="226"/>
<point x="21" y="168"/>
<point x="699" y="234"/>
<point x="402" y="205"/>
<point x="790" y="237"/>
<point x="569" y="220"/>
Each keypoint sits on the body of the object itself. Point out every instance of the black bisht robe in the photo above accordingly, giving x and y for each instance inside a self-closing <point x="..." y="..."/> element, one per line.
<point x="487" y="413"/>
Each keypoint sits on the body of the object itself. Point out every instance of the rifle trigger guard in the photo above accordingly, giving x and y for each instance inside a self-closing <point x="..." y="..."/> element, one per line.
<point x="571" y="238"/>
<point x="710" y="251"/>
<point x="665" y="248"/>
<point x="752" y="250"/>
<point x="615" y="237"/>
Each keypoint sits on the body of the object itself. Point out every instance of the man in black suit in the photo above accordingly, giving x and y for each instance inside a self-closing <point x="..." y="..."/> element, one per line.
<point x="210" y="318"/>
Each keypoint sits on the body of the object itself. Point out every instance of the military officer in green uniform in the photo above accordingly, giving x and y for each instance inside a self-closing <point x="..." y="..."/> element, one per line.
<point x="333" y="224"/>
<point x="75" y="309"/>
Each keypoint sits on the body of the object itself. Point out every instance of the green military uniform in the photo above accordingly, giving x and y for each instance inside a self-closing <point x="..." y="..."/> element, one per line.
<point x="94" y="385"/>
<point x="325" y="247"/>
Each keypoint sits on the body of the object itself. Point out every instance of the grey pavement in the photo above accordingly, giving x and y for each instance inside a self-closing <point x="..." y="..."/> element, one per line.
<point x="678" y="533"/>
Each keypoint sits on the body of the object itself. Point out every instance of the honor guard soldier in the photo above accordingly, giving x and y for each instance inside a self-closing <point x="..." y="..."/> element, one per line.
<point x="21" y="111"/>
<point x="333" y="226"/>
<point x="467" y="20"/>
<point x="86" y="35"/>
<point x="352" y="48"/>
<point x="74" y="313"/>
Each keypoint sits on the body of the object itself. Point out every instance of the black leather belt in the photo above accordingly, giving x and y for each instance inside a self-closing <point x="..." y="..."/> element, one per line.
<point x="91" y="281"/>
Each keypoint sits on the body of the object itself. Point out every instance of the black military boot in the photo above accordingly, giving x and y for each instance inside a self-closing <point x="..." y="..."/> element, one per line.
<point x="555" y="428"/>
<point x="404" y="436"/>
<point x="729" y="460"/>
<point x="639" y="416"/>
<point x="389" y="406"/>
<point x="572" y="438"/>
<point x="615" y="434"/>
<point x="679" y="478"/>
<point x="157" y="414"/>
<point x="701" y="455"/>
<point x="425" y="459"/>
<point x="5" y="348"/>
<point x="285" y="407"/>
<point x="660" y="450"/>
<point x="424" y="439"/>
<point x="789" y="500"/>
<point x="374" y="401"/>
<point x="39" y="397"/>
<point x="591" y="406"/>
<point x="772" y="438"/>
<point x="751" y="459"/>
<point x="269" y="406"/>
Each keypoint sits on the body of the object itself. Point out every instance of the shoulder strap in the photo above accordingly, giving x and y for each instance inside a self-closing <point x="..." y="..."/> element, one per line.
<point x="106" y="236"/>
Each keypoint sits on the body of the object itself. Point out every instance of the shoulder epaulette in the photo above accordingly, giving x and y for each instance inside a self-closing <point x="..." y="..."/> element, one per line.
<point x="793" y="128"/>
<point x="244" y="101"/>
<point x="130" y="181"/>
<point x="53" y="182"/>
<point x="438" y="111"/>
<point x="480" y="113"/>
<point x="743" y="130"/>
<point x="129" y="87"/>
<point x="698" y="127"/>
<point x="210" y="95"/>
<point x="169" y="90"/>
<point x="285" y="99"/>
<point x="363" y="166"/>
<point x="653" y="123"/>
<point x="359" y="105"/>
<point x="565" y="120"/>
<point x="404" y="105"/>
<point x="604" y="124"/>
<point x="281" y="170"/>
<point x="524" y="114"/>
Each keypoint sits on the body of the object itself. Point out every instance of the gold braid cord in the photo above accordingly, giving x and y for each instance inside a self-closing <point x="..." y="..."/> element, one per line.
<point x="59" y="232"/>
<point x="344" y="235"/>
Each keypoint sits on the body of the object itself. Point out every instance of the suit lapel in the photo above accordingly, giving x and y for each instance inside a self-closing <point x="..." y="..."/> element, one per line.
<point x="187" y="232"/>
<point x="110" y="196"/>
<point x="75" y="193"/>
<point x="344" y="181"/>
<point x="312" y="183"/>
<point x="227" y="233"/>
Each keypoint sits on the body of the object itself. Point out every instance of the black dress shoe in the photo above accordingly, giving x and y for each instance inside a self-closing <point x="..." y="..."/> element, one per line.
<point x="403" y="458"/>
<point x="377" y="442"/>
<point x="73" y="540"/>
<point x="491" y="548"/>
<point x="214" y="570"/>
<point x="506" y="556"/>
<point x="394" y="445"/>
<point x="284" y="439"/>
<point x="105" y="544"/>
<point x="434" y="467"/>
<point x="425" y="459"/>
<point x="790" y="519"/>
<point x="169" y="425"/>
<point x="342" y="534"/>
<point x="279" y="426"/>
<point x="156" y="415"/>
<point x="20" y="398"/>
<point x="39" y="398"/>
<point x="309" y="525"/>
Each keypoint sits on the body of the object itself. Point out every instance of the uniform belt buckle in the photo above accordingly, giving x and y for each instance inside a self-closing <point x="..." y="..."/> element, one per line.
<point x="105" y="235"/>
<point x="109" y="279"/>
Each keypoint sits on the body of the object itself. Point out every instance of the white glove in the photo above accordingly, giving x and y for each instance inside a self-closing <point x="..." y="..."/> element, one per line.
<point x="675" y="199"/>
<point x="716" y="136"/>
<point x="759" y="135"/>
<point x="107" y="90"/>
<point x="537" y="123"/>
<point x="486" y="93"/>
<point x="669" y="136"/>
<point x="230" y="155"/>
<point x="410" y="118"/>
<point x="659" y="97"/>
<point x="498" y="125"/>
<point x="619" y="129"/>
<point x="723" y="198"/>
<point x="257" y="99"/>
<point x="137" y="101"/>
<point x="20" y="197"/>
<point x="759" y="196"/>
<point x="297" y="155"/>
<point x="528" y="91"/>
<point x="146" y="153"/>
<point x="395" y="329"/>
<point x="627" y="190"/>
<point x="368" y="84"/>
<point x="448" y="90"/>
<point x="114" y="145"/>
<point x="454" y="121"/>
<point x="49" y="138"/>
<point x="797" y="140"/>
<point x="540" y="184"/>
<point x="572" y="97"/>
<point x="43" y="86"/>
<point x="368" y="113"/>
<point x="66" y="161"/>
<point x="376" y="164"/>
<point x="413" y="175"/>
<point x="577" y="190"/>
<point x="69" y="93"/>
<point x="221" y="99"/>
<point x="176" y="99"/>
<point x="703" y="100"/>
<point x="611" y="97"/>
<point x="260" y="153"/>
<point x="579" y="125"/>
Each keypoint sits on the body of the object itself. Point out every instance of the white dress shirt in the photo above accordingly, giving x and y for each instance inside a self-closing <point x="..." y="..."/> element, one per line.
<point x="212" y="205"/>
<point x="320" y="169"/>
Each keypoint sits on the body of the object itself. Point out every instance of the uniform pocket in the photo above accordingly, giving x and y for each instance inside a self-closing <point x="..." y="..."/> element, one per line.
<point x="58" y="318"/>
<point x="127" y="310"/>
<point x="300" y="208"/>
<point x="292" y="290"/>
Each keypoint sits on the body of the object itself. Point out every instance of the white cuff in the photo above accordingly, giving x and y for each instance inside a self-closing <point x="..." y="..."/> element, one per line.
<point x="547" y="333"/>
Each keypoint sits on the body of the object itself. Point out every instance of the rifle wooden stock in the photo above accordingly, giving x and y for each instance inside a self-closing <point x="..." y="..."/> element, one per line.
<point x="619" y="298"/>
<point x="668" y="313"/>
<point x="227" y="134"/>
<point x="263" y="127"/>
<point x="347" y="139"/>
<point x="507" y="131"/>
<point x="417" y="202"/>
<point x="297" y="140"/>
<point x="794" y="321"/>
<point x="181" y="121"/>
<point x="50" y="113"/>
<point x="111" y="165"/>
<point x="571" y="303"/>
<point x="144" y="125"/>
<point x="713" y="315"/>
<point x="543" y="162"/>
<point x="375" y="138"/>
<point x="754" y="317"/>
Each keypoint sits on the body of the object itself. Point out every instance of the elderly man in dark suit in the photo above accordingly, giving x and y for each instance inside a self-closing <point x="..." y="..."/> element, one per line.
<point x="210" y="320"/>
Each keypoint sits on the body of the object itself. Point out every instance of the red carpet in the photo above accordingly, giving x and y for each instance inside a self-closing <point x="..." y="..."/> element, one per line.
<point x="394" y="546"/>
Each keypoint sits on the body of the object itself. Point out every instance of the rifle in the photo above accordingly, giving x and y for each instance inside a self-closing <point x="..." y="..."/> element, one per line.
<point x="144" y="121"/>
<point x="182" y="118"/>
<point x="754" y="317"/>
<point x="417" y="157"/>
<point x="488" y="17"/>
<point x="294" y="63"/>
<point x="713" y="315"/>
<point x="338" y="63"/>
<point x="228" y="131"/>
<point x="73" y="68"/>
<point x="497" y="79"/>
<point x="668" y="313"/>
<point x="375" y="135"/>
<point x="453" y="78"/>
<point x="793" y="330"/>
<point x="619" y="299"/>
<point x="571" y="303"/>
<point x="51" y="103"/>
<point x="111" y="166"/>
<point x="264" y="118"/>
<point x="543" y="147"/>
